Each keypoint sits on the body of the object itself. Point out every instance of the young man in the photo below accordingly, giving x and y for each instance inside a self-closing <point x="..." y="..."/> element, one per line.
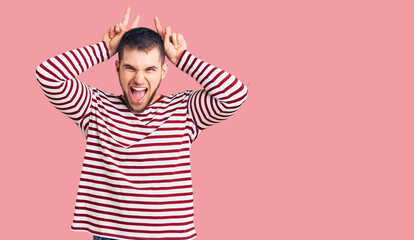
<point x="136" y="180"/>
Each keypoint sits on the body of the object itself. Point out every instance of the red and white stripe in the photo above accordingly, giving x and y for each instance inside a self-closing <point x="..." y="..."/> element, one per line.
<point x="136" y="175"/>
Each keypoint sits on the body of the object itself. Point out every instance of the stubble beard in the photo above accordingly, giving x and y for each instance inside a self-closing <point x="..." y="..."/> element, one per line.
<point x="146" y="105"/>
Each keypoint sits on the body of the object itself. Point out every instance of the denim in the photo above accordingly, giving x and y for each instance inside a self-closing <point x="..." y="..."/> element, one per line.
<point x="101" y="238"/>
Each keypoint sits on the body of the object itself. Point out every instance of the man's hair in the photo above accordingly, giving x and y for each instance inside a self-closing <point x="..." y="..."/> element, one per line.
<point x="142" y="39"/>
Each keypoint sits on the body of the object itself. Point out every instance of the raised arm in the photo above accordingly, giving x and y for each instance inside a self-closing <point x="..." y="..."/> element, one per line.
<point x="57" y="76"/>
<point x="223" y="93"/>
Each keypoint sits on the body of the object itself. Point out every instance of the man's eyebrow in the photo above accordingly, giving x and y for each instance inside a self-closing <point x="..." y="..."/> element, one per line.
<point x="126" y="65"/>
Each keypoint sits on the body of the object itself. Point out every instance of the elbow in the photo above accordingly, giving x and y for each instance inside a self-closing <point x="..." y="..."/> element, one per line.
<point x="243" y="91"/>
<point x="39" y="67"/>
<point x="37" y="74"/>
<point x="246" y="93"/>
<point x="38" y="71"/>
<point x="43" y="76"/>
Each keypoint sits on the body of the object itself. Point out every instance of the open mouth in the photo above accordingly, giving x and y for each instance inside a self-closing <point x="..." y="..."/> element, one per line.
<point x="138" y="93"/>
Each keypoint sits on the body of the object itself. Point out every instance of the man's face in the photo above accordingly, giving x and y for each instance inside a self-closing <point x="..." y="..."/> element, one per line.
<point x="140" y="74"/>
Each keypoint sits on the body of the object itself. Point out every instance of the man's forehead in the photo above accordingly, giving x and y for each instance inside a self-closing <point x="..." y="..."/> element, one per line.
<point x="134" y="57"/>
<point x="151" y="51"/>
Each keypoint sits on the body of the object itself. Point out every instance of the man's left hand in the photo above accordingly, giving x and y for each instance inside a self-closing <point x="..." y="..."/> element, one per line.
<point x="174" y="43"/>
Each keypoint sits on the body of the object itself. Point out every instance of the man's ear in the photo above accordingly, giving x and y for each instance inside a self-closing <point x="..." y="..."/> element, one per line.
<point x="117" y="66"/>
<point x="164" y="70"/>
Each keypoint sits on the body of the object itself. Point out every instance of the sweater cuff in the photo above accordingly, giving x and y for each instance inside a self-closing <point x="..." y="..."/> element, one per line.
<point x="105" y="50"/>
<point x="183" y="61"/>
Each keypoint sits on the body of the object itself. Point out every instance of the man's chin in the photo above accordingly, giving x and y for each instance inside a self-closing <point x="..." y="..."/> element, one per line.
<point x="138" y="109"/>
<point x="141" y="107"/>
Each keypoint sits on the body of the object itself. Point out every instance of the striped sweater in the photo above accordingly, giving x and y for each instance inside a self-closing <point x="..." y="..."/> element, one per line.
<point x="136" y="178"/>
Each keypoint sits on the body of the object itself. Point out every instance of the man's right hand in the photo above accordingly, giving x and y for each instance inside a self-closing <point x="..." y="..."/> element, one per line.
<point x="113" y="35"/>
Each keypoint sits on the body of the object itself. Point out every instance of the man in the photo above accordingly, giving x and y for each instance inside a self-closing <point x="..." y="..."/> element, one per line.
<point x="136" y="180"/>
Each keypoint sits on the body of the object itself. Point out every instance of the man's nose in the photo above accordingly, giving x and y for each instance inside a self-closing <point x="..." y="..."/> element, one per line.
<point x="139" y="78"/>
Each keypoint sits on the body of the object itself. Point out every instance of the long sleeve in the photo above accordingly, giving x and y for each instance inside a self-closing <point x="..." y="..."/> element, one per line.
<point x="57" y="77"/>
<point x="222" y="94"/>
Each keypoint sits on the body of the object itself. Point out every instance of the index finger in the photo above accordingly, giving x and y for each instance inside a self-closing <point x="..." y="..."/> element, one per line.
<point x="158" y="27"/>
<point x="126" y="16"/>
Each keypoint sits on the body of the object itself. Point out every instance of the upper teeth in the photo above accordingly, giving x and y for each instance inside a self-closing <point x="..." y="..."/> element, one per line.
<point x="138" y="89"/>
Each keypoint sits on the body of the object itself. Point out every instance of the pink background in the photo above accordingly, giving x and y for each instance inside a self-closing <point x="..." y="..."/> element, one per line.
<point x="322" y="149"/>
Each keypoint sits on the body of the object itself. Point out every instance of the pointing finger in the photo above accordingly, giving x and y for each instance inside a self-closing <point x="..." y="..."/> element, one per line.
<point x="126" y="16"/>
<point x="111" y="32"/>
<point x="158" y="27"/>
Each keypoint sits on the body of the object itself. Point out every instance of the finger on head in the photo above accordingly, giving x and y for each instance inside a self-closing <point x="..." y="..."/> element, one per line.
<point x="135" y="22"/>
<point x="167" y="35"/>
<point x="180" y="39"/>
<point x="168" y="31"/>
<point x="111" y="32"/>
<point x="122" y="27"/>
<point x="126" y="16"/>
<point x="174" y="40"/>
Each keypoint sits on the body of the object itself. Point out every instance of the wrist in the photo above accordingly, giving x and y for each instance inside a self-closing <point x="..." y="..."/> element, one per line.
<point x="179" y="59"/>
<point x="108" y="48"/>
<point x="173" y="61"/>
<point x="108" y="53"/>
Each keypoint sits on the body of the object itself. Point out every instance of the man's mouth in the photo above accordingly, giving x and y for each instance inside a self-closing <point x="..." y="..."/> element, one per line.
<point x="138" y="93"/>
